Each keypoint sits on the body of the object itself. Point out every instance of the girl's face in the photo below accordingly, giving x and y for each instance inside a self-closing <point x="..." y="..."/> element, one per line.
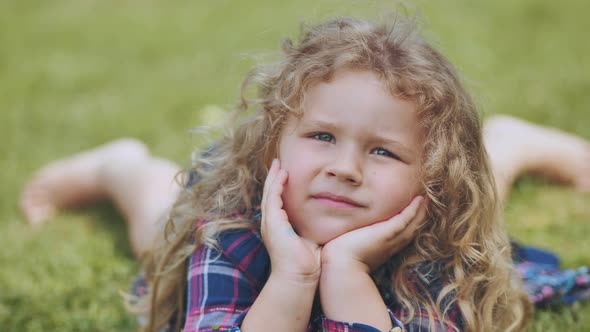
<point x="353" y="158"/>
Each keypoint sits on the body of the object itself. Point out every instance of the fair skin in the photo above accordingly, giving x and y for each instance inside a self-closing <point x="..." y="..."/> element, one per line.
<point x="352" y="158"/>
<point x="141" y="186"/>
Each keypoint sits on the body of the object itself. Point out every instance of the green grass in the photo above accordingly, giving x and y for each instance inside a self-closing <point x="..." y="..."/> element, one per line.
<point x="74" y="74"/>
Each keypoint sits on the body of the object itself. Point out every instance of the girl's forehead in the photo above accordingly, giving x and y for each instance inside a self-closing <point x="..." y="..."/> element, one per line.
<point x="355" y="79"/>
<point x="362" y="92"/>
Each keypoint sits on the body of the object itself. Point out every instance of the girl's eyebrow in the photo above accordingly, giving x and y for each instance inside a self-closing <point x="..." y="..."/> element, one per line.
<point x="312" y="124"/>
<point x="330" y="126"/>
<point x="398" y="145"/>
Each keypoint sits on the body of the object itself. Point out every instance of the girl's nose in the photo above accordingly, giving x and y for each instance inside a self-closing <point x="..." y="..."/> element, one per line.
<point x="346" y="166"/>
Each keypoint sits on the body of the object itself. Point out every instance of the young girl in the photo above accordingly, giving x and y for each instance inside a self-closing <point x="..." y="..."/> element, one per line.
<point x="355" y="196"/>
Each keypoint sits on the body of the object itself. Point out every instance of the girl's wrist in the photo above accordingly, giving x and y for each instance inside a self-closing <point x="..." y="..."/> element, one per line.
<point x="339" y="262"/>
<point x="344" y="266"/>
<point x="292" y="279"/>
<point x="350" y="295"/>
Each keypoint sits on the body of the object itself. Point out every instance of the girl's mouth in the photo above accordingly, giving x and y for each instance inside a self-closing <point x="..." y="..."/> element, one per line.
<point x="336" y="201"/>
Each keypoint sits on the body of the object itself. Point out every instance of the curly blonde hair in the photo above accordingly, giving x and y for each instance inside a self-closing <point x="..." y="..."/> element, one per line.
<point x="463" y="230"/>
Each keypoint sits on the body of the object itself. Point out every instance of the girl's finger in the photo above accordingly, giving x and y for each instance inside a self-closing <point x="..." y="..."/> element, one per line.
<point x="267" y="183"/>
<point x="274" y="203"/>
<point x="403" y="220"/>
<point x="411" y="229"/>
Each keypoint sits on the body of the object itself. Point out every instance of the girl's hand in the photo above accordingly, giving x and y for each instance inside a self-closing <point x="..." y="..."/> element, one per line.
<point x="291" y="256"/>
<point x="368" y="247"/>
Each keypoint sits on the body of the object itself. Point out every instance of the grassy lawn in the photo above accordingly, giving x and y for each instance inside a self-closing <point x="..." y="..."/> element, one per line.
<point x="74" y="74"/>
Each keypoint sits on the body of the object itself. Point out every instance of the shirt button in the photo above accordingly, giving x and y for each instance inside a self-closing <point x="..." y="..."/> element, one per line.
<point x="396" y="329"/>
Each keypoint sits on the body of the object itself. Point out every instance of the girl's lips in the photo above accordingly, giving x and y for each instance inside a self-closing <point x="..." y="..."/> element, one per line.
<point x="336" y="201"/>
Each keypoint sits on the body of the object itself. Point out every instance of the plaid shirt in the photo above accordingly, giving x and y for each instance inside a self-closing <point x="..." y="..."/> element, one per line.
<point x="223" y="284"/>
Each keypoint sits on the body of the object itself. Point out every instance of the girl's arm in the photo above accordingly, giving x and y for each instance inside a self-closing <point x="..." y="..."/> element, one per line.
<point x="349" y="294"/>
<point x="283" y="305"/>
<point x="285" y="302"/>
<point x="229" y="289"/>
<point x="349" y="300"/>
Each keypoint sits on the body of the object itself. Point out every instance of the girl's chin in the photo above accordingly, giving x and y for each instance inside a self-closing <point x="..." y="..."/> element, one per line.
<point x="320" y="237"/>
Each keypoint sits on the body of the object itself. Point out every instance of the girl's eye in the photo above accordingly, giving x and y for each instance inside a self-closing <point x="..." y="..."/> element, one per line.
<point x="324" y="137"/>
<point x="385" y="153"/>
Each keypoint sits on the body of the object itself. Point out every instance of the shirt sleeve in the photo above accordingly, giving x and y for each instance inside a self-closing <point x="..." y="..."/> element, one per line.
<point x="329" y="325"/>
<point x="223" y="284"/>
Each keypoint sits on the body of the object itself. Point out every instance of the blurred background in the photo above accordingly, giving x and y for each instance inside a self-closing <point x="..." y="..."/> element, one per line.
<point x="74" y="74"/>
